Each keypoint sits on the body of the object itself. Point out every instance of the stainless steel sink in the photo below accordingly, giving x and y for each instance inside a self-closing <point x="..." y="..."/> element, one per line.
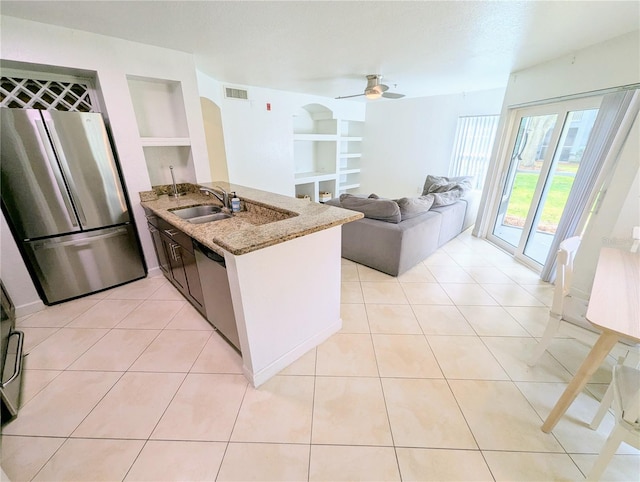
<point x="209" y="218"/>
<point x="205" y="213"/>
<point x="196" y="211"/>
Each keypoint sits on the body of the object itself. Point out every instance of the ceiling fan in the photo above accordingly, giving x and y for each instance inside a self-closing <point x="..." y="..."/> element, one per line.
<point x="375" y="90"/>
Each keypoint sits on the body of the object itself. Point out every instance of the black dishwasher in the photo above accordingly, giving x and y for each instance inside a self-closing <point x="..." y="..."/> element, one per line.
<point x="216" y="292"/>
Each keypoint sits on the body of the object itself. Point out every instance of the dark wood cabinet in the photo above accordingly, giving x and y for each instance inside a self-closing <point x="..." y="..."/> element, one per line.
<point x="175" y="255"/>
<point x="177" y="261"/>
<point x="158" y="244"/>
<point x="193" y="277"/>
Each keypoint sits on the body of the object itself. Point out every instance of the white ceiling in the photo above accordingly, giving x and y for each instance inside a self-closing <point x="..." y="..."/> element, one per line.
<point x="326" y="48"/>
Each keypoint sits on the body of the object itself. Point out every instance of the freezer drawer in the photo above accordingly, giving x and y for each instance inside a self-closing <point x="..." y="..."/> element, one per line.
<point x="78" y="264"/>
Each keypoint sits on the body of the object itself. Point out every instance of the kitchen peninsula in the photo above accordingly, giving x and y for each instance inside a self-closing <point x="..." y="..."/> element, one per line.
<point x="283" y="262"/>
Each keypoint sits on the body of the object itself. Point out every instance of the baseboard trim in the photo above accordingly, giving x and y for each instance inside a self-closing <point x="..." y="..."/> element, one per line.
<point x="261" y="376"/>
<point x="154" y="272"/>
<point x="29" y="308"/>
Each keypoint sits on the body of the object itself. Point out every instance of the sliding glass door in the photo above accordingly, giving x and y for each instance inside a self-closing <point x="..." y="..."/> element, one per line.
<point x="545" y="152"/>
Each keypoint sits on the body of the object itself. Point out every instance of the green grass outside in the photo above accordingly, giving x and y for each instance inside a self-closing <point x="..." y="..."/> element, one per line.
<point x="522" y="194"/>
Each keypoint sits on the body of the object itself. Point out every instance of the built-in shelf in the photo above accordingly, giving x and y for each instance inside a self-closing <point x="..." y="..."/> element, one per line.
<point x="159" y="107"/>
<point x="326" y="151"/>
<point x="164" y="141"/>
<point x="163" y="129"/>
<point x="304" y="177"/>
<point x="315" y="137"/>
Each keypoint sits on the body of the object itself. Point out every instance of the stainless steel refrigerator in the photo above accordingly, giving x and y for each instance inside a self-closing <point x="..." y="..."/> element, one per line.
<point x="65" y="202"/>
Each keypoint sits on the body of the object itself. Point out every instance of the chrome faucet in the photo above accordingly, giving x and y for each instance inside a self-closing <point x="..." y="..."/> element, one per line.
<point x="176" y="194"/>
<point x="224" y="198"/>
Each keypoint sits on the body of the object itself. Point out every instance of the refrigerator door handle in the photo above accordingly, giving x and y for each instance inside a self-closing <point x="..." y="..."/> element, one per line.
<point x="75" y="242"/>
<point x="65" y="166"/>
<point x="55" y="171"/>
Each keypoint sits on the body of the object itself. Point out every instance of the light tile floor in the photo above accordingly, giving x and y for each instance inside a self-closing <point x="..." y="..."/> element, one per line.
<point x="426" y="381"/>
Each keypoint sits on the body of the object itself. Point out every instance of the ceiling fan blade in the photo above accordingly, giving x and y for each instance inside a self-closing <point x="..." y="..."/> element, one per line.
<point x="374" y="90"/>
<point x="349" y="96"/>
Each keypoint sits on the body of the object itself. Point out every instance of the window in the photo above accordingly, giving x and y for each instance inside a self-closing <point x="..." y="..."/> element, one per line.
<point x="472" y="147"/>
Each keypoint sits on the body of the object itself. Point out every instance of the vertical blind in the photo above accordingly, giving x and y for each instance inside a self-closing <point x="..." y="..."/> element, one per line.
<point x="472" y="147"/>
<point x="612" y="125"/>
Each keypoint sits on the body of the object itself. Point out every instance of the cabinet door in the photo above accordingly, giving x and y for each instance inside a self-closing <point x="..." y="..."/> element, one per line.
<point x="174" y="251"/>
<point x="161" y="253"/>
<point x="175" y="255"/>
<point x="193" y="279"/>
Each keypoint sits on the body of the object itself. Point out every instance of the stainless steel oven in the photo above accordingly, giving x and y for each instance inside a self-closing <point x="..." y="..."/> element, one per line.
<point x="10" y="359"/>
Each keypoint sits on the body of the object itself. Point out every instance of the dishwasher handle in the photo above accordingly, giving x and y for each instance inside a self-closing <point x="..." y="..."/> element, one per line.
<point x="212" y="255"/>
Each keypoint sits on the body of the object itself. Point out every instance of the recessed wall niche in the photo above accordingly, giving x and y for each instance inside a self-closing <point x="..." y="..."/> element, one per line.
<point x="327" y="152"/>
<point x="162" y="125"/>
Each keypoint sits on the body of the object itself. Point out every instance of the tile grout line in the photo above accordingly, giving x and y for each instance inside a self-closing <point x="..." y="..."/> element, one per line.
<point x="384" y="397"/>
<point x="313" y="404"/>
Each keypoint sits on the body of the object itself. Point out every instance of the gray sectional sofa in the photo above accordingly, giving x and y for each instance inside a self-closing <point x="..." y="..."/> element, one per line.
<point x="394" y="247"/>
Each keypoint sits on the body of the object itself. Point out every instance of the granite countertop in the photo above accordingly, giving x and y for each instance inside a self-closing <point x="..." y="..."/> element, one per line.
<point x="265" y="218"/>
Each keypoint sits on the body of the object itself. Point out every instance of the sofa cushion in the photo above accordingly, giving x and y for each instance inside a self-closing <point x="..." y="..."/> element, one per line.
<point x="452" y="220"/>
<point x="391" y="248"/>
<point x="410" y="207"/>
<point x="446" y="198"/>
<point x="380" y="209"/>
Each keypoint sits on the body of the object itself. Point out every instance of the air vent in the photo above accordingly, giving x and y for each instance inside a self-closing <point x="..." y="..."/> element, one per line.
<point x="231" y="93"/>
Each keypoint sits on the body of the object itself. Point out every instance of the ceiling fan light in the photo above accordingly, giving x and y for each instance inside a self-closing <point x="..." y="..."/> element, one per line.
<point x="373" y="94"/>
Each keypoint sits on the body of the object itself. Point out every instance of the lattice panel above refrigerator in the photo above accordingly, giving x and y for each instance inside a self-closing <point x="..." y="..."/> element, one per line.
<point x="17" y="93"/>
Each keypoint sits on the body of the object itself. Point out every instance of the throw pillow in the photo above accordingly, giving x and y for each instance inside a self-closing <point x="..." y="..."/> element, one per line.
<point x="436" y="184"/>
<point x="381" y="209"/>
<point x="446" y="198"/>
<point x="412" y="207"/>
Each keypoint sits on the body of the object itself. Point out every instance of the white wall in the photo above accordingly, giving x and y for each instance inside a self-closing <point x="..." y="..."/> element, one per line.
<point x="609" y="64"/>
<point x="407" y="139"/>
<point x="112" y="60"/>
<point x="259" y="142"/>
<point x="630" y="212"/>
<point x="404" y="140"/>
<point x="15" y="275"/>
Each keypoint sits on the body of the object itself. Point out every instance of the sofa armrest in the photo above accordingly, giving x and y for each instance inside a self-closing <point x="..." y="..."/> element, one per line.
<point x="473" y="204"/>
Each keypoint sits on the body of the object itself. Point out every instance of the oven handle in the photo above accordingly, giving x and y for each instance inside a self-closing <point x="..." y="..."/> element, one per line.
<point x="18" y="364"/>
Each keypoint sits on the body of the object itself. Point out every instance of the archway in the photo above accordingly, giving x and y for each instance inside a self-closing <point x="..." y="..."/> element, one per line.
<point x="214" y="135"/>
